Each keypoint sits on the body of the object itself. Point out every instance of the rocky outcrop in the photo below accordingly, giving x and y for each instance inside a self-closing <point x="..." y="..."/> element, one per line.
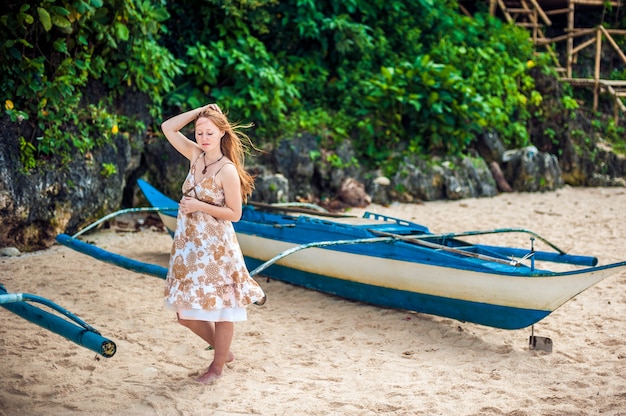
<point x="57" y="197"/>
<point x="453" y="178"/>
<point x="62" y="198"/>
<point x="529" y="170"/>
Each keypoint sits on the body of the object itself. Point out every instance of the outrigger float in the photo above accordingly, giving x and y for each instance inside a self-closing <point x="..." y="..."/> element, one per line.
<point x="391" y="262"/>
<point x="67" y="325"/>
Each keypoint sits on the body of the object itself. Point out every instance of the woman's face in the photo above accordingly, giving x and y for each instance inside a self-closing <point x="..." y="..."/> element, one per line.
<point x="208" y="136"/>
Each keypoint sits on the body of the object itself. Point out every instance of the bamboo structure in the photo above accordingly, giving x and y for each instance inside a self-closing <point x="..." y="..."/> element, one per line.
<point x="534" y="15"/>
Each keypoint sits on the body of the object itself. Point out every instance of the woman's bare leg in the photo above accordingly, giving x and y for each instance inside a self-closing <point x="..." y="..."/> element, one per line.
<point x="206" y="331"/>
<point x="223" y="338"/>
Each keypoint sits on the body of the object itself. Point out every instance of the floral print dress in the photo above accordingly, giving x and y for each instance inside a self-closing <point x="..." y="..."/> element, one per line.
<point x="207" y="277"/>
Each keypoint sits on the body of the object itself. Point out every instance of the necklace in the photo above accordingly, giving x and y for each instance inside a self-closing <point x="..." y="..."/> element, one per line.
<point x="210" y="164"/>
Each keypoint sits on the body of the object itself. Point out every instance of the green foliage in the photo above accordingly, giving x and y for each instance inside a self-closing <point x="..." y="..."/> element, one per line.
<point x="397" y="77"/>
<point x="27" y="154"/>
<point x="52" y="50"/>
<point x="550" y="133"/>
<point x="569" y="102"/>
<point x="338" y="163"/>
<point x="315" y="154"/>
<point x="108" y="169"/>
<point x="608" y="131"/>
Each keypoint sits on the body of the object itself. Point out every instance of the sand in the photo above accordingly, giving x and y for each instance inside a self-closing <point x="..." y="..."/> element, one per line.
<point x="307" y="353"/>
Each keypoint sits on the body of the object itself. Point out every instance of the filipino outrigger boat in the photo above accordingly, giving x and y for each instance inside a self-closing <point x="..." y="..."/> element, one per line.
<point x="62" y="322"/>
<point x="394" y="263"/>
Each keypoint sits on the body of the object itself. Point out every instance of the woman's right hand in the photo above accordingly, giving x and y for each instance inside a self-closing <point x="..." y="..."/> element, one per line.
<point x="214" y="107"/>
<point x="186" y="205"/>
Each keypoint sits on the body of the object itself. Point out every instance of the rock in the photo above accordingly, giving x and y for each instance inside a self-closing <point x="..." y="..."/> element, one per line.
<point x="417" y="180"/>
<point x="490" y="147"/>
<point x="382" y="181"/>
<point x="271" y="188"/>
<point x="292" y="159"/>
<point x="453" y="178"/>
<point x="529" y="170"/>
<point x="59" y="196"/>
<point x="379" y="189"/>
<point x="353" y="193"/>
<point x="334" y="166"/>
<point x="9" y="252"/>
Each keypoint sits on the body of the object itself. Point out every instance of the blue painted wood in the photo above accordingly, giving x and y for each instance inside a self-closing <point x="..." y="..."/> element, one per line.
<point x="157" y="198"/>
<point x="112" y="258"/>
<point x="480" y="313"/>
<point x="573" y="259"/>
<point x="75" y="333"/>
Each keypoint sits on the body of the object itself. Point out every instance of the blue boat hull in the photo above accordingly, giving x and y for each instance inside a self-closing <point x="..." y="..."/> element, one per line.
<point x="412" y="269"/>
<point x="480" y="313"/>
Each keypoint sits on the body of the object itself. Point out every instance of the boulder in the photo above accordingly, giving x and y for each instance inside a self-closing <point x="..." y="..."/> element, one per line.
<point x="529" y="170"/>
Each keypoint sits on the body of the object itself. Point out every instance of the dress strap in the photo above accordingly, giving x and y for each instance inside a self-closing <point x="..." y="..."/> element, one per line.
<point x="218" y="171"/>
<point x="193" y="165"/>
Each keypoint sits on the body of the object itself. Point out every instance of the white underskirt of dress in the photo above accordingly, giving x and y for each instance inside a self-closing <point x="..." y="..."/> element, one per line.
<point x="236" y="314"/>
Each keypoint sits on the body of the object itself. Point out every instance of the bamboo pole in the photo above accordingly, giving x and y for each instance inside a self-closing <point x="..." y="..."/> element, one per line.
<point x="557" y="11"/>
<point x="570" y="39"/>
<point x="435" y="246"/>
<point x="617" y="103"/>
<point x="464" y="10"/>
<point x="539" y="10"/>
<point x="505" y="12"/>
<point x="583" y="45"/>
<point x="613" y="43"/>
<point x="112" y="258"/>
<point x="590" y="82"/>
<point x="595" y="2"/>
<point x="596" y="69"/>
<point x="568" y="36"/>
<point x="535" y="26"/>
<point x="596" y="72"/>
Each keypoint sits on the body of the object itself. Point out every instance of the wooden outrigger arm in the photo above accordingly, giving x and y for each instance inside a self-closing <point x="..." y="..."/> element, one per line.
<point x="120" y="212"/>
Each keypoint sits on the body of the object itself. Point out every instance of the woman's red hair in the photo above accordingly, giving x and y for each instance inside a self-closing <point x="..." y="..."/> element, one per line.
<point x="234" y="145"/>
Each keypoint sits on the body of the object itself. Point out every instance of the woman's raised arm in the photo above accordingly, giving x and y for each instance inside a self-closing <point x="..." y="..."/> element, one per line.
<point x="171" y="129"/>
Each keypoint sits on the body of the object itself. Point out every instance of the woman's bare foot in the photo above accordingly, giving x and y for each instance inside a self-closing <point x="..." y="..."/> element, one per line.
<point x="229" y="358"/>
<point x="210" y="376"/>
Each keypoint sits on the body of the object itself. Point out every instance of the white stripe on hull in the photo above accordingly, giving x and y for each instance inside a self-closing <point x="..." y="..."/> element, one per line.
<point x="540" y="293"/>
<point x="168" y="221"/>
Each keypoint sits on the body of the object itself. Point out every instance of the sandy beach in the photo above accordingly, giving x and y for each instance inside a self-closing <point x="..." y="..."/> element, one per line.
<point x="307" y="353"/>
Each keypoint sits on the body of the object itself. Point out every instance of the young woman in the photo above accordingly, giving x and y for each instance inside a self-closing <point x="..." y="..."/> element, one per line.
<point x="208" y="284"/>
